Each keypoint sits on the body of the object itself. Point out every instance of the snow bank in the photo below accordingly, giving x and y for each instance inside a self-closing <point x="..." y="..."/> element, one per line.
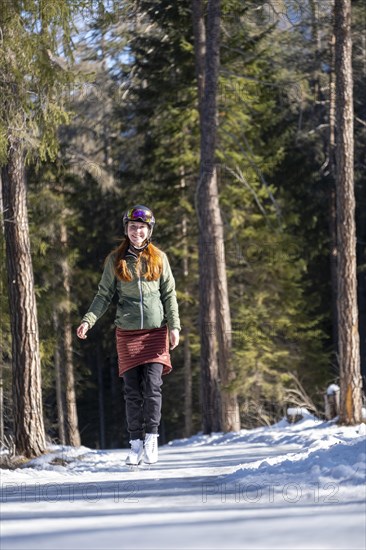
<point x="287" y="486"/>
<point x="326" y="453"/>
<point x="312" y="451"/>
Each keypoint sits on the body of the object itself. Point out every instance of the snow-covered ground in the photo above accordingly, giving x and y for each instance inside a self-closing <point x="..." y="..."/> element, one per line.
<point x="299" y="486"/>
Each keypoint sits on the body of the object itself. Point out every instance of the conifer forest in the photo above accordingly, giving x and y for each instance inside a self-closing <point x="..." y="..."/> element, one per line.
<point x="242" y="125"/>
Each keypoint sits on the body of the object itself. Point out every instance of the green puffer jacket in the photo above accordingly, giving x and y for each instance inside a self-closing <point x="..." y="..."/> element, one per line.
<point x="141" y="304"/>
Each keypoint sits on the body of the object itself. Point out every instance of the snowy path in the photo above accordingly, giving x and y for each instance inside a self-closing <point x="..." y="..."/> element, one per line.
<point x="287" y="487"/>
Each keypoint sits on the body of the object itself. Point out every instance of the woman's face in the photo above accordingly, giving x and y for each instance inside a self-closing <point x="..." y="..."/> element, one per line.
<point x="137" y="232"/>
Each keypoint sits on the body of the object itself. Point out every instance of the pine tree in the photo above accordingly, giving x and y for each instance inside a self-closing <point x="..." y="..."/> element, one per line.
<point x="349" y="343"/>
<point x="213" y="281"/>
<point x="32" y="77"/>
<point x="275" y="333"/>
<point x="158" y="152"/>
<point x="359" y="73"/>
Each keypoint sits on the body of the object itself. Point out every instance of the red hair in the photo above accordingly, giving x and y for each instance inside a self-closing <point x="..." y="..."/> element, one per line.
<point x="149" y="263"/>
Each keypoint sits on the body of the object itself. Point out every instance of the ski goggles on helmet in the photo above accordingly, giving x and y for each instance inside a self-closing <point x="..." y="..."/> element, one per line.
<point x="137" y="214"/>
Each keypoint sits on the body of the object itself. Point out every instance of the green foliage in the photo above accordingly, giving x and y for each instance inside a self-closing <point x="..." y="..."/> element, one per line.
<point x="275" y="330"/>
<point x="160" y="122"/>
<point x="133" y="136"/>
<point x="35" y="73"/>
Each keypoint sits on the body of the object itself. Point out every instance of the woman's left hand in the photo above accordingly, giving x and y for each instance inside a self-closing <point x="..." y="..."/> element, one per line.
<point x="174" y="338"/>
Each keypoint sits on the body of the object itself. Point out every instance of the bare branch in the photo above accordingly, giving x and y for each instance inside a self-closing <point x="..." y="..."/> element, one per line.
<point x="360" y="121"/>
<point x="257" y="170"/>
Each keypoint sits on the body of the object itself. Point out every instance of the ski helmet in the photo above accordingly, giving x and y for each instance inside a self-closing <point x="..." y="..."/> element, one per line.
<point x="139" y="213"/>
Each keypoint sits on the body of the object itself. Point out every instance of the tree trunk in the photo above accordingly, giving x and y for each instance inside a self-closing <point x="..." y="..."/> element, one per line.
<point x="188" y="412"/>
<point x="99" y="367"/>
<point x="210" y="396"/>
<point x="333" y="200"/>
<point x="349" y="345"/>
<point x="211" y="235"/>
<point x="187" y="363"/>
<point x="58" y="379"/>
<point x="2" y="262"/>
<point x="71" y="419"/>
<point x="27" y="390"/>
<point x="115" y="401"/>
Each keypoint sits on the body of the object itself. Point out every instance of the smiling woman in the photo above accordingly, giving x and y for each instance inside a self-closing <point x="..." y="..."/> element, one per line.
<point x="137" y="233"/>
<point x="147" y="320"/>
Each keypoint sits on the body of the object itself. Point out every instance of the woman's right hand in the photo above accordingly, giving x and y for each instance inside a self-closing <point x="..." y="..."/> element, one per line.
<point x="82" y="330"/>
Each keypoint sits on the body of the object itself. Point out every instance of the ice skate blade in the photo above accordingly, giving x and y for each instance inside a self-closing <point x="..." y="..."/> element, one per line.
<point x="137" y="467"/>
<point x="133" y="467"/>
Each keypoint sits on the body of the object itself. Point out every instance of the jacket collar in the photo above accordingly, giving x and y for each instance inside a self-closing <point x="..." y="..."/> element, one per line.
<point x="131" y="251"/>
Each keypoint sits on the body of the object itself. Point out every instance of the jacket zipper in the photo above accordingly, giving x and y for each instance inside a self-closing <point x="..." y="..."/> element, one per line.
<point x="141" y="308"/>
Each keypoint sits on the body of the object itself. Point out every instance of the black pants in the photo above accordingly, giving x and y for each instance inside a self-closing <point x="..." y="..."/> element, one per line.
<point x="142" y="393"/>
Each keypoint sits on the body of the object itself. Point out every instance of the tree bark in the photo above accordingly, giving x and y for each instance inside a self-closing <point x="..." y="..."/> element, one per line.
<point x="71" y="417"/>
<point x="58" y="380"/>
<point x="116" y="402"/>
<point x="27" y="390"/>
<point x="209" y="395"/>
<point x="333" y="199"/>
<point x="99" y="367"/>
<point x="2" y="262"/>
<point x="213" y="278"/>
<point x="349" y="345"/>
<point x="187" y="363"/>
<point x="188" y="411"/>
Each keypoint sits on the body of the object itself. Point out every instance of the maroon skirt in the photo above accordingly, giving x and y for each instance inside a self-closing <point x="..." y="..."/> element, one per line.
<point x="136" y="347"/>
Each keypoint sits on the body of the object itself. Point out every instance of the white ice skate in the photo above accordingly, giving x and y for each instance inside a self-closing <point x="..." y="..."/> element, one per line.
<point x="151" y="449"/>
<point x="134" y="457"/>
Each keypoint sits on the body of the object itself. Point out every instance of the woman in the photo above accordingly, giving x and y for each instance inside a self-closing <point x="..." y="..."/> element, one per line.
<point x="147" y="319"/>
